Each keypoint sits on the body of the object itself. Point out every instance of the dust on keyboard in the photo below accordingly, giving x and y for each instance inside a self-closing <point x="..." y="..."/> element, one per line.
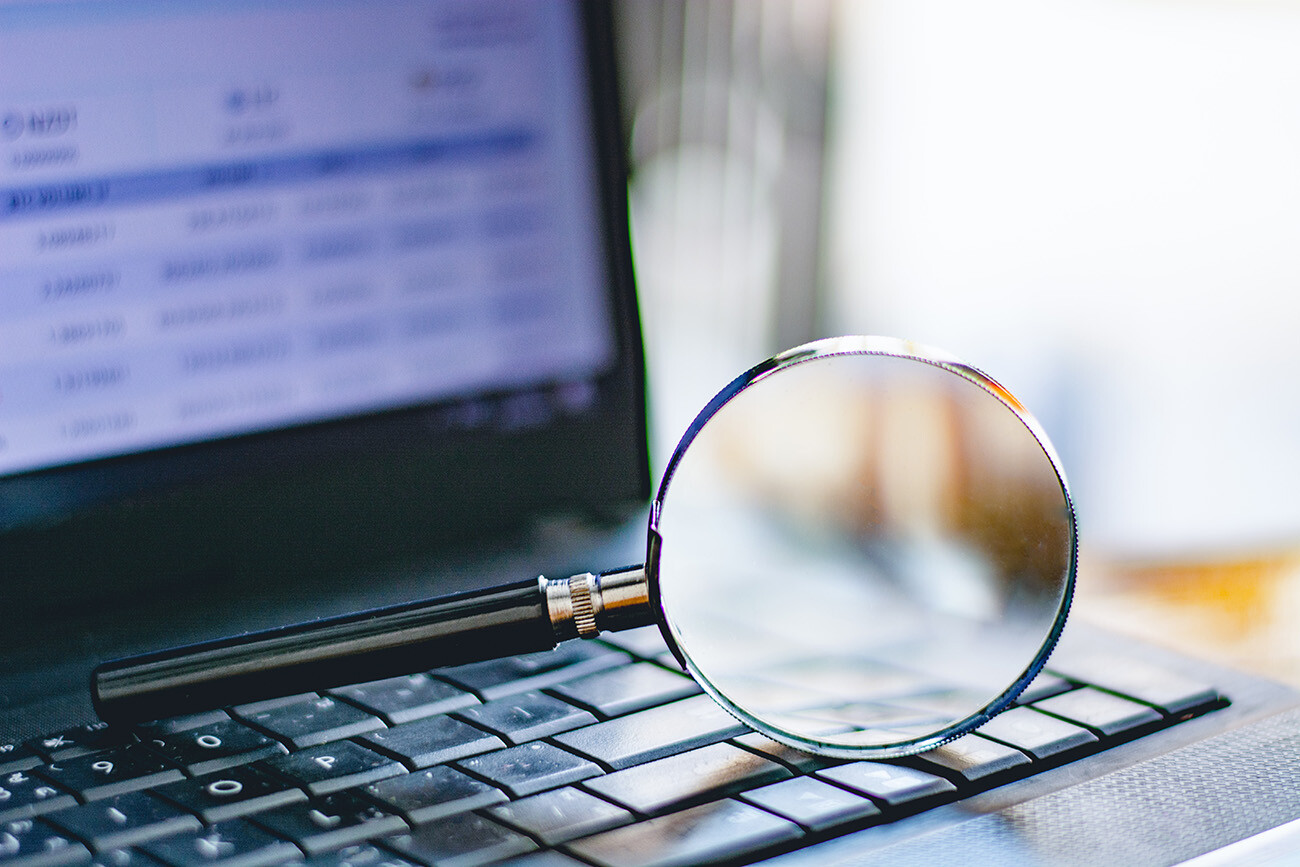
<point x="596" y="752"/>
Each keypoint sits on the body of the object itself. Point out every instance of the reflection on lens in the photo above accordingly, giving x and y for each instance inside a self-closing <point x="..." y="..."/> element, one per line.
<point x="866" y="549"/>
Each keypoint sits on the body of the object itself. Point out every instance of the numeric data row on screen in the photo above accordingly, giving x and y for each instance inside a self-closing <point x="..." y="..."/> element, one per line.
<point x="255" y="382"/>
<point x="205" y="345"/>
<point x="507" y="242"/>
<point x="168" y="246"/>
<point x="383" y="304"/>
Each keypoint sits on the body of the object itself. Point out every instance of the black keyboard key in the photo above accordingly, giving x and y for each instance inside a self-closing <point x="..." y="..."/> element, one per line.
<point x="1035" y="733"/>
<point x="527" y="717"/>
<point x="173" y="724"/>
<point x="545" y="858"/>
<point x="972" y="758"/>
<point x="215" y="746"/>
<point x="124" y="820"/>
<point x="17" y="757"/>
<point x="230" y="793"/>
<point x="893" y="785"/>
<point x="79" y="741"/>
<point x="722" y="829"/>
<point x="627" y="689"/>
<point x="530" y="768"/>
<point x="561" y="815"/>
<point x="244" y="711"/>
<point x="797" y="760"/>
<point x="314" y="721"/>
<point x="813" y="804"/>
<point x="332" y="767"/>
<point x="358" y="855"/>
<point x="1045" y="685"/>
<point x="1102" y="712"/>
<point x="23" y="796"/>
<point x="125" y="858"/>
<point x="646" y="642"/>
<point x="655" y="733"/>
<point x="1171" y="693"/>
<point x="236" y="842"/>
<point x="330" y="822"/>
<point x="111" y="772"/>
<point x="403" y="699"/>
<point x="466" y="838"/>
<point x="501" y="677"/>
<point x="432" y="741"/>
<point x="431" y="794"/>
<point x="32" y="843"/>
<point x="708" y="772"/>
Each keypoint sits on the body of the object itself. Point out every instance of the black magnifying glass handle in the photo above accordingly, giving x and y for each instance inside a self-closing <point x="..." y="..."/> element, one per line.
<point x="469" y="627"/>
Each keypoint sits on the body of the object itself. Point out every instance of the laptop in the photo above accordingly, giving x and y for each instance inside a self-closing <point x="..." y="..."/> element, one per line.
<point x="312" y="306"/>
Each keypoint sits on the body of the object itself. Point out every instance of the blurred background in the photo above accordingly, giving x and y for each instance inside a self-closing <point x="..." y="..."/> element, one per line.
<point x="1095" y="201"/>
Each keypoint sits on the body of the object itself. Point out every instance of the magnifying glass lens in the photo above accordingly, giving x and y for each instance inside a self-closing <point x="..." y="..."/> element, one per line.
<point x="863" y="549"/>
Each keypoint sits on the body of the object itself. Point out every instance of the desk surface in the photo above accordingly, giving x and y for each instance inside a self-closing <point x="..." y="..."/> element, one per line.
<point x="1242" y="613"/>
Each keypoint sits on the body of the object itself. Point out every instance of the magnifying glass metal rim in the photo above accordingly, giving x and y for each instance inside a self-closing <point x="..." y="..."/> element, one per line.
<point x="820" y="350"/>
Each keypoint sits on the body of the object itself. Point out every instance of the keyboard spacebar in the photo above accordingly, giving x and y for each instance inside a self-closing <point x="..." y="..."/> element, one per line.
<point x="655" y="733"/>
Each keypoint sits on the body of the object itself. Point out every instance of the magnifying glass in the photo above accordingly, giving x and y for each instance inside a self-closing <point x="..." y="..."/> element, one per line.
<point x="861" y="548"/>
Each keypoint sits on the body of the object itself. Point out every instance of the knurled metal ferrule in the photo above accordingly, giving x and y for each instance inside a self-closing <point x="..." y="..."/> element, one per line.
<point x="584" y="609"/>
<point x="583" y="606"/>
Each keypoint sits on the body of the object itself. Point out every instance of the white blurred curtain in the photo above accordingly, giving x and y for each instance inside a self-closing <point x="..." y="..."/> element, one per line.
<point x="1099" y="202"/>
<point x="726" y="107"/>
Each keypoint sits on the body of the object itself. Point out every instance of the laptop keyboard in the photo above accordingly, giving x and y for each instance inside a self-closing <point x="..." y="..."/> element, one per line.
<point x="594" y="753"/>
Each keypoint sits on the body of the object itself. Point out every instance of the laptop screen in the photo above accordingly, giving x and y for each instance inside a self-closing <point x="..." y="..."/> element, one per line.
<point x="306" y="257"/>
